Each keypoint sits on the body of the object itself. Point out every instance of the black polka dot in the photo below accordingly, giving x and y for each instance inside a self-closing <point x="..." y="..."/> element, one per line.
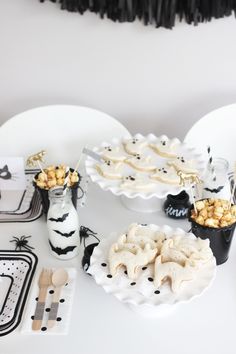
<point x="66" y="284"/>
<point x="144" y="268"/>
<point x="125" y="272"/>
<point x="133" y="283"/>
<point x="51" y="292"/>
<point x="150" y="279"/>
<point x="109" y="276"/>
<point x="32" y="317"/>
<point x="62" y="300"/>
<point x="58" y="319"/>
<point x="103" y="264"/>
<point x="43" y="329"/>
<point x="47" y="309"/>
<point x="36" y="299"/>
<point x="157" y="292"/>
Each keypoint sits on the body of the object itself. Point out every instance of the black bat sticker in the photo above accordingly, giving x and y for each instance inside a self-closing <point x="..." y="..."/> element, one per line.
<point x="60" y="251"/>
<point x="64" y="216"/>
<point x="64" y="234"/>
<point x="216" y="190"/>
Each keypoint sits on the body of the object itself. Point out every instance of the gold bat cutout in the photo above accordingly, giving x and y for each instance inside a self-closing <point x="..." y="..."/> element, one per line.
<point x="31" y="161"/>
<point x="193" y="178"/>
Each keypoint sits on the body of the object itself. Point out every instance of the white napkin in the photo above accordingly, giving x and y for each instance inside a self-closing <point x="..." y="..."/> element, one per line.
<point x="64" y="311"/>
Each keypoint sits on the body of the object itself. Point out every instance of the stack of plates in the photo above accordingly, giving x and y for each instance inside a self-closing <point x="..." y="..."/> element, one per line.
<point x="29" y="207"/>
<point x="17" y="271"/>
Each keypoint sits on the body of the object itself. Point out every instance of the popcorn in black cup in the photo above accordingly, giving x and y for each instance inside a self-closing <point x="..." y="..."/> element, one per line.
<point x="214" y="219"/>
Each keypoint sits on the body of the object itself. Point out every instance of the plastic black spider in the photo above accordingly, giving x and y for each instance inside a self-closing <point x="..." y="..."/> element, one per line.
<point x="85" y="232"/>
<point x="22" y="243"/>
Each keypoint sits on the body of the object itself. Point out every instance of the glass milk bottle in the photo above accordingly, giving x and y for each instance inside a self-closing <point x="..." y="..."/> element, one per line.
<point x="63" y="225"/>
<point x="216" y="184"/>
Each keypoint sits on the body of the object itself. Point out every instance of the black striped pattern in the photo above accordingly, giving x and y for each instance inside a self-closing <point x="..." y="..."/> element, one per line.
<point x="66" y="179"/>
<point x="210" y="164"/>
<point x="160" y="13"/>
<point x="209" y="154"/>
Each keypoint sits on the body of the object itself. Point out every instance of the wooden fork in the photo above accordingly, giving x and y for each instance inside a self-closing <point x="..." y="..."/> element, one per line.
<point x="45" y="280"/>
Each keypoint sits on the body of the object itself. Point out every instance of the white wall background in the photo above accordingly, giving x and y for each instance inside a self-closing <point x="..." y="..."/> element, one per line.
<point x="152" y="80"/>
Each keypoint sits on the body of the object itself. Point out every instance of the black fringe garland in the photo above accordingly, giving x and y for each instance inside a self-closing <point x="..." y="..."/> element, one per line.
<point x="160" y="13"/>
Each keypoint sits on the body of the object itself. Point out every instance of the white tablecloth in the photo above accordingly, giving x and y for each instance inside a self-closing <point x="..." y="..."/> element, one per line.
<point x="101" y="324"/>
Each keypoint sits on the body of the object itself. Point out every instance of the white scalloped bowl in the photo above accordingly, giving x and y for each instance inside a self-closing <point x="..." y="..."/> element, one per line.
<point x="160" y="191"/>
<point x="141" y="297"/>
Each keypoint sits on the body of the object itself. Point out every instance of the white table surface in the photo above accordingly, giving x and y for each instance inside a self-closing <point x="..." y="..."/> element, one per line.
<point x="101" y="324"/>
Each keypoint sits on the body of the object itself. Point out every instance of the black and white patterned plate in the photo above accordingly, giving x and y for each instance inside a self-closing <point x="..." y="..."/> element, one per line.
<point x="19" y="267"/>
<point x="27" y="195"/>
<point x="31" y="207"/>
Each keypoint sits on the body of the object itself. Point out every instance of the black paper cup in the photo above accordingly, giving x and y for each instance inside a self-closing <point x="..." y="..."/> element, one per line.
<point x="44" y="193"/>
<point x="220" y="238"/>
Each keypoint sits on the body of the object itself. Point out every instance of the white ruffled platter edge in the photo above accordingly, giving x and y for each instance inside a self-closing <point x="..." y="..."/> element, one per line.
<point x="146" y="304"/>
<point x="162" y="189"/>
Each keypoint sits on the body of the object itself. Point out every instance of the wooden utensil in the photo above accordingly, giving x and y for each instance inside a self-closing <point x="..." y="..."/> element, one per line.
<point x="45" y="280"/>
<point x="59" y="279"/>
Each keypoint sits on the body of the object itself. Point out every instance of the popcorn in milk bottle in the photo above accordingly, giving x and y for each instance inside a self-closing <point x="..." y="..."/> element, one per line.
<point x="63" y="224"/>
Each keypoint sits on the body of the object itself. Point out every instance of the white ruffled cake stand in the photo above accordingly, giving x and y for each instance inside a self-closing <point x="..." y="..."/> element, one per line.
<point x="140" y="204"/>
<point x="141" y="295"/>
<point x="146" y="200"/>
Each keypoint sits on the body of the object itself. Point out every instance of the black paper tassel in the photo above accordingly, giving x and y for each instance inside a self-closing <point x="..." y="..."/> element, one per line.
<point x="160" y="13"/>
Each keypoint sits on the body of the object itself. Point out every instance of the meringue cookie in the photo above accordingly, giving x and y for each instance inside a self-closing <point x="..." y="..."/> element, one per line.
<point x="165" y="148"/>
<point x="141" y="163"/>
<point x="137" y="182"/>
<point x="110" y="170"/>
<point x="166" y="174"/>
<point x="135" y="146"/>
<point x="113" y="153"/>
<point x="182" y="164"/>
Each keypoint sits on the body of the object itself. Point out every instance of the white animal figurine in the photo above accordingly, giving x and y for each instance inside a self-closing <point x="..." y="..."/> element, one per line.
<point x="192" y="178"/>
<point x="132" y="261"/>
<point x="172" y="271"/>
<point x="31" y="161"/>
